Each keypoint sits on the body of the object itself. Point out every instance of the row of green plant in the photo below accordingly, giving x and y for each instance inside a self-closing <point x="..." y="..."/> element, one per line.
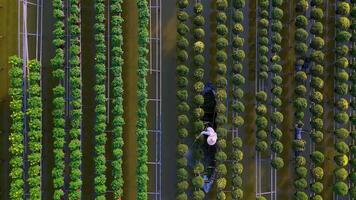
<point x="34" y="114"/>
<point x="352" y="176"/>
<point x="17" y="127"/>
<point x="262" y="123"/>
<point x="300" y="103"/>
<point x="141" y="126"/>
<point x="58" y="132"/>
<point x="221" y="96"/>
<point x="341" y="116"/>
<point x="75" y="153"/>
<point x="277" y="81"/>
<point x="183" y="108"/>
<point x="198" y="99"/>
<point x="117" y="102"/>
<point x="316" y="107"/>
<point x="238" y="107"/>
<point x="100" y="100"/>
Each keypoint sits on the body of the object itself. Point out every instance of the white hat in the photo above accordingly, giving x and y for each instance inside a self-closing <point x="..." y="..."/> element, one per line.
<point x="212" y="140"/>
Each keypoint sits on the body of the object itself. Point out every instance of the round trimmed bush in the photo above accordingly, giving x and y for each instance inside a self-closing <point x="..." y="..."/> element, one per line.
<point x="277" y="163"/>
<point x="300" y="161"/>
<point x="343" y="8"/>
<point x="317" y="28"/>
<point x="261" y="146"/>
<point x="277" y="117"/>
<point x="340" y="174"/>
<point x="301" y="21"/>
<point x="342" y="117"/>
<point x="300" y="196"/>
<point x="342" y="147"/>
<point x="301" y="172"/>
<point x="277" y="147"/>
<point x="317" y="14"/>
<point x="317" y="173"/>
<point x="317" y="187"/>
<point x="276" y="133"/>
<point x="238" y="16"/>
<point x="317" y="136"/>
<point x="341" y="160"/>
<point x="302" y="5"/>
<point x="341" y="188"/>
<point x="317" y="157"/>
<point x="300" y="184"/>
<point x="317" y="110"/>
<point x="341" y="133"/>
<point x="300" y="103"/>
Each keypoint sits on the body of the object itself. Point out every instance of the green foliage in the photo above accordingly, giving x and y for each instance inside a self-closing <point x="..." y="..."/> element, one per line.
<point x="317" y="173"/>
<point x="317" y="157"/>
<point x="340" y="174"/>
<point x="16" y="148"/>
<point x="58" y="132"/>
<point x="277" y="163"/>
<point x="100" y="104"/>
<point x="317" y="187"/>
<point x="34" y="114"/>
<point x="340" y="188"/>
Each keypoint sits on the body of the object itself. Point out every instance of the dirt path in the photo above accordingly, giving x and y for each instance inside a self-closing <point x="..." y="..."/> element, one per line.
<point x="8" y="47"/>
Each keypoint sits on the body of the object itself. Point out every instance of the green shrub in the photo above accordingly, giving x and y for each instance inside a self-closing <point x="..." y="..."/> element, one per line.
<point x="340" y="188"/>
<point x="300" y="184"/>
<point x="342" y="147"/>
<point x="317" y="187"/>
<point x="261" y="96"/>
<point x="302" y="6"/>
<point x="342" y="117"/>
<point x="317" y="173"/>
<point x="317" y="157"/>
<point x="341" y="160"/>
<point x="340" y="174"/>
<point x="301" y="172"/>
<point x="317" y="14"/>
<point x="343" y="8"/>
<point x="277" y="163"/>
<point x="277" y="147"/>
<point x="301" y="21"/>
<point x="317" y="28"/>
<point x="261" y="146"/>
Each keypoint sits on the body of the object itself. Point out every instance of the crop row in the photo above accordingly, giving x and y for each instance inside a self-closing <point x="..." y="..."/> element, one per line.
<point x="221" y="96"/>
<point x="198" y="99"/>
<point x="352" y="176"/>
<point x="141" y="126"/>
<point x="261" y="95"/>
<point x="341" y="115"/>
<point x="183" y="108"/>
<point x="75" y="154"/>
<point x="238" y="107"/>
<point x="316" y="107"/>
<point x="34" y="113"/>
<point x="277" y="81"/>
<point x="300" y="101"/>
<point x="117" y="85"/>
<point x="100" y="101"/>
<point x="58" y="132"/>
<point x="16" y="134"/>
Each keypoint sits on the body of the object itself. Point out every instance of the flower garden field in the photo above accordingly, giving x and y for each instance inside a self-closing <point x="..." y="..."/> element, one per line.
<point x="82" y="122"/>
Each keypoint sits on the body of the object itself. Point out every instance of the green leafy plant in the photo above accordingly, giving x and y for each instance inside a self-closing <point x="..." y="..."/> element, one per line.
<point x="16" y="131"/>
<point x="117" y="85"/>
<point x="100" y="104"/>
<point x="34" y="113"/>
<point x="58" y="113"/>
<point x="75" y="156"/>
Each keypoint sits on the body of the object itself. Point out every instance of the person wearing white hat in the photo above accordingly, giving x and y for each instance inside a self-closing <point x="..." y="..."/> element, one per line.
<point x="212" y="136"/>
